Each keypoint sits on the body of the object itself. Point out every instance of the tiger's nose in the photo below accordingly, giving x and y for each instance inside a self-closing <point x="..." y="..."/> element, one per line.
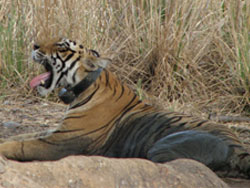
<point x="35" y="47"/>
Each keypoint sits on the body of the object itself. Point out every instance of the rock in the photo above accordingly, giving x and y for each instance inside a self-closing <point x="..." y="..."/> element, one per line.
<point x="82" y="171"/>
<point x="2" y="166"/>
<point x="44" y="125"/>
<point x="11" y="124"/>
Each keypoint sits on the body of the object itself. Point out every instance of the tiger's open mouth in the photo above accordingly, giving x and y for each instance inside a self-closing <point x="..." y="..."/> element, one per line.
<point x="45" y="79"/>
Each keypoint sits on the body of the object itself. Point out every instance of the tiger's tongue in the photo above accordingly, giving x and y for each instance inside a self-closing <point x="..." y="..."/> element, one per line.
<point x="38" y="79"/>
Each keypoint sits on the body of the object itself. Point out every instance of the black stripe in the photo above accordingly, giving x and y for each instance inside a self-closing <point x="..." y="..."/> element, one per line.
<point x="97" y="141"/>
<point x="74" y="77"/>
<point x="124" y="111"/>
<point x="201" y="123"/>
<point x="65" y="72"/>
<point x="142" y="125"/>
<point x="70" y="139"/>
<point x="167" y="128"/>
<point x="118" y="134"/>
<point x="175" y="119"/>
<point x="68" y="131"/>
<point x="131" y="101"/>
<point x="182" y="124"/>
<point x="74" y="62"/>
<point x="67" y="44"/>
<point x="139" y="141"/>
<point x="54" y="60"/>
<point x="88" y="71"/>
<point x="68" y="57"/>
<point x="72" y="50"/>
<point x="58" y="57"/>
<point x="116" y="122"/>
<point x="50" y="143"/>
<point x="59" y="44"/>
<point x="61" y="75"/>
<point x="62" y="51"/>
<point x="85" y="134"/>
<point x="62" y="62"/>
<point x="107" y="79"/>
<point x="154" y="125"/>
<point x="60" y="70"/>
<point x="122" y="92"/>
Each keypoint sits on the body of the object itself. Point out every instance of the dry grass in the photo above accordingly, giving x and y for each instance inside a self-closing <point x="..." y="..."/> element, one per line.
<point x="190" y="54"/>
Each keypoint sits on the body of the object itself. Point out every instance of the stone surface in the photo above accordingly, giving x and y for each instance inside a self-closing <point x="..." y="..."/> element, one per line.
<point x="81" y="171"/>
<point x="11" y="124"/>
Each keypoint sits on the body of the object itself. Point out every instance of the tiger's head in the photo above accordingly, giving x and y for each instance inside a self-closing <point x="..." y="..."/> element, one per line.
<point x="67" y="64"/>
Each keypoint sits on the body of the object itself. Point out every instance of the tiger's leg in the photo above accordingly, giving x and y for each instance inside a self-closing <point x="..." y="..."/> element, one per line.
<point x="214" y="152"/>
<point x="42" y="146"/>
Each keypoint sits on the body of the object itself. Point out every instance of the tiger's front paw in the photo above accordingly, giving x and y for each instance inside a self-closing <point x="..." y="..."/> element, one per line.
<point x="11" y="149"/>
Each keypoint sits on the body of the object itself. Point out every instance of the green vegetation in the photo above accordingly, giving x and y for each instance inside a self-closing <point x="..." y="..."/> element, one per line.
<point x="188" y="52"/>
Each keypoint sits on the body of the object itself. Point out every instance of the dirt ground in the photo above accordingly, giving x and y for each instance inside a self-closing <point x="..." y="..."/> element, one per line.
<point x="31" y="114"/>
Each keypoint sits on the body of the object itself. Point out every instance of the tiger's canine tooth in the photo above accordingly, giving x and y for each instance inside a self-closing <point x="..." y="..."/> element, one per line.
<point x="42" y="82"/>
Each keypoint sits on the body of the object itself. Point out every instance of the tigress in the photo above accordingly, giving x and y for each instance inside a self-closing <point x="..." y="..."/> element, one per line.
<point x="105" y="117"/>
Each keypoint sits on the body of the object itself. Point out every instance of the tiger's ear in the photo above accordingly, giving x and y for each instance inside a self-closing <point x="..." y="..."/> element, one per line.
<point x="92" y="64"/>
<point x="103" y="62"/>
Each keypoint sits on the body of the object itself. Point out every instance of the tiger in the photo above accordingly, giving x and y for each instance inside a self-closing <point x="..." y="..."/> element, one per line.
<point x="105" y="117"/>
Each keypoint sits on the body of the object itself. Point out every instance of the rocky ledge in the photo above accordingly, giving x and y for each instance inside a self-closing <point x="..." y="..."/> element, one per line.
<point x="81" y="171"/>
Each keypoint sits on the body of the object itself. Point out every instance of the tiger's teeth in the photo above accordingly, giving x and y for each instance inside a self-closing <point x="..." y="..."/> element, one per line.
<point x="42" y="82"/>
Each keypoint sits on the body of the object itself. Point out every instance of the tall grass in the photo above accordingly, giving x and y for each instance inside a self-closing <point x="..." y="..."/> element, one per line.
<point x="195" y="53"/>
<point x="12" y="44"/>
